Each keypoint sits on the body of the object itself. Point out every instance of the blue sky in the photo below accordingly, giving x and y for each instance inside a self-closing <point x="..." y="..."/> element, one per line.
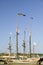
<point x="8" y="18"/>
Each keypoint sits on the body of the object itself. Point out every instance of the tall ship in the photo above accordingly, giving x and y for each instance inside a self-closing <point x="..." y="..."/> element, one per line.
<point x="20" y="57"/>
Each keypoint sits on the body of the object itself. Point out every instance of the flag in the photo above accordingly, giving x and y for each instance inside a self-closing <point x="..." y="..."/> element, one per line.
<point x="21" y="14"/>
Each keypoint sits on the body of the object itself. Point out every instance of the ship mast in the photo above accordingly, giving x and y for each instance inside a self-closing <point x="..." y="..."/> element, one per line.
<point x="16" y="41"/>
<point x="19" y="14"/>
<point x="30" y="36"/>
<point x="10" y="47"/>
<point x="24" y="45"/>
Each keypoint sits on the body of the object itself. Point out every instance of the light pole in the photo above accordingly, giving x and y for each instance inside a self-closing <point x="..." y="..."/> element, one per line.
<point x="19" y="14"/>
<point x="30" y="36"/>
